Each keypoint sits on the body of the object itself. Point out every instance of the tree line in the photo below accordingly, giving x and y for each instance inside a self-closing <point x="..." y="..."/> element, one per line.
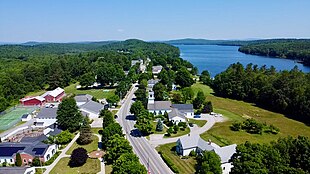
<point x="297" y="49"/>
<point x="27" y="68"/>
<point x="287" y="92"/>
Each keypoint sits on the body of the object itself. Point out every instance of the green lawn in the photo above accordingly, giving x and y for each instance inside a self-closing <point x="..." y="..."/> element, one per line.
<point x="108" y="169"/>
<point x="157" y="132"/>
<point x="179" y="133"/>
<point x="91" y="166"/>
<point x="199" y="123"/>
<point x="237" y="111"/>
<point x="89" y="147"/>
<point x="97" y="93"/>
<point x="40" y="170"/>
<point x="201" y="87"/>
<point x="185" y="166"/>
<point x="96" y="130"/>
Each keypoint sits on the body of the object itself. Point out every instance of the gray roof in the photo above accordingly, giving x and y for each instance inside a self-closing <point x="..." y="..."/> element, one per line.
<point x="83" y="98"/>
<point x="184" y="107"/>
<point x="226" y="152"/>
<point x="157" y="68"/>
<point x="92" y="106"/>
<point x="152" y="81"/>
<point x="174" y="113"/>
<point x="25" y="115"/>
<point x="33" y="139"/>
<point x="195" y="141"/>
<point x="13" y="170"/>
<point x="47" y="113"/>
<point x="160" y="105"/>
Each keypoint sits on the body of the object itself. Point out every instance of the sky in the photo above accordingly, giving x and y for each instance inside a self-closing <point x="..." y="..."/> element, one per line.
<point x="97" y="20"/>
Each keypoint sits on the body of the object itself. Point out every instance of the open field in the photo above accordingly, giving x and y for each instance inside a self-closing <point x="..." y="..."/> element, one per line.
<point x="89" y="147"/>
<point x="97" y="93"/>
<point x="199" y="123"/>
<point x="91" y="166"/>
<point x="13" y="116"/>
<point x="237" y="111"/>
<point x="186" y="166"/>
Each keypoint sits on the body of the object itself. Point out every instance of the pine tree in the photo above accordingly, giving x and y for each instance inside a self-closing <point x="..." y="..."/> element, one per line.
<point x="159" y="126"/>
<point x="19" y="161"/>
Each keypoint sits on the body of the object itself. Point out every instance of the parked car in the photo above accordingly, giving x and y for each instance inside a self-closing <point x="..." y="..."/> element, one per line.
<point x="197" y="116"/>
<point x="190" y="124"/>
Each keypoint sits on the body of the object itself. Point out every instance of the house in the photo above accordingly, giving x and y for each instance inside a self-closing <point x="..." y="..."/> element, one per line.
<point x="55" y="95"/>
<point x="159" y="107"/>
<point x="134" y="62"/>
<point x="32" y="101"/>
<point x="91" y="109"/>
<point x="156" y="69"/>
<point x="186" y="144"/>
<point x="186" y="109"/>
<point x="28" y="151"/>
<point x="46" y="117"/>
<point x="82" y="99"/>
<point x="26" y="117"/>
<point x="17" y="170"/>
<point x="151" y="83"/>
<point x="176" y="116"/>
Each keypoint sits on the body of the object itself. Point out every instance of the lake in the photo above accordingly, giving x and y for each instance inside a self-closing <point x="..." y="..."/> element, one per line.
<point x="216" y="58"/>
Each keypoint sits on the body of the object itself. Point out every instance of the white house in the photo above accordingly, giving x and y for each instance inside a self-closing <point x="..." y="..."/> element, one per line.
<point x="156" y="69"/>
<point x="26" y="117"/>
<point x="187" y="144"/>
<point x="82" y="99"/>
<point x="159" y="107"/>
<point x="176" y="116"/>
<point x="186" y="109"/>
<point x="91" y="109"/>
<point x="46" y="117"/>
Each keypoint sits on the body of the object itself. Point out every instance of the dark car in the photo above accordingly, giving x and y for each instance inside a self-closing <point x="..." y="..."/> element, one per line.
<point x="190" y="124"/>
<point x="115" y="116"/>
<point x="197" y="116"/>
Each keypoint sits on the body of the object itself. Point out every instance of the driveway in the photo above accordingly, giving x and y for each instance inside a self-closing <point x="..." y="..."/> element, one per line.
<point x="158" y="139"/>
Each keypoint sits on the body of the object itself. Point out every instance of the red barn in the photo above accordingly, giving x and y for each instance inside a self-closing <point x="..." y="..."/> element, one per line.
<point x="31" y="101"/>
<point x="54" y="96"/>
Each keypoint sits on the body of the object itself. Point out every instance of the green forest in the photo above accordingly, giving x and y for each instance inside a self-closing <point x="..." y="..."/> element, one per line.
<point x="287" y="92"/>
<point x="297" y="49"/>
<point x="27" y="68"/>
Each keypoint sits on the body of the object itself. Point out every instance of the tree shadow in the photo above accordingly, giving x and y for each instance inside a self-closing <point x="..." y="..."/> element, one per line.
<point x="131" y="117"/>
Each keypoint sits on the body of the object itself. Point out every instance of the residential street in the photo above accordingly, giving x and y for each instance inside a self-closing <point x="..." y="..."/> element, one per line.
<point x="147" y="154"/>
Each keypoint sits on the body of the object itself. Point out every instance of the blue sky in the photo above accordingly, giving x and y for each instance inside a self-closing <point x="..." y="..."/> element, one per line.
<point x="94" y="20"/>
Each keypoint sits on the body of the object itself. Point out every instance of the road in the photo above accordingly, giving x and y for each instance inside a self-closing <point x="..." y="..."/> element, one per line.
<point x="147" y="154"/>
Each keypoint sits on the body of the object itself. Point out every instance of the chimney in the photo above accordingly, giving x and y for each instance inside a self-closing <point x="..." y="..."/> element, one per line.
<point x="209" y="142"/>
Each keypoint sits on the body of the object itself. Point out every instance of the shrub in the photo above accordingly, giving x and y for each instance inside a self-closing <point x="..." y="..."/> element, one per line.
<point x="176" y="128"/>
<point x="193" y="153"/>
<point x="236" y="126"/>
<point x="36" y="162"/>
<point x="159" y="126"/>
<point x="64" y="137"/>
<point x="78" y="157"/>
<point x="86" y="136"/>
<point x="19" y="161"/>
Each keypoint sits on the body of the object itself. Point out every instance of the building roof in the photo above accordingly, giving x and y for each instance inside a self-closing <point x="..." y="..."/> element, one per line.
<point x="30" y="98"/>
<point x="226" y="152"/>
<point x="8" y="151"/>
<point x="160" y="105"/>
<point x="83" y="98"/>
<point x="176" y="113"/>
<point x="54" y="93"/>
<point x="157" y="69"/>
<point x="184" y="107"/>
<point x="194" y="141"/>
<point x="152" y="81"/>
<point x="92" y="106"/>
<point x="47" y="113"/>
<point x="33" y="139"/>
<point x="13" y="170"/>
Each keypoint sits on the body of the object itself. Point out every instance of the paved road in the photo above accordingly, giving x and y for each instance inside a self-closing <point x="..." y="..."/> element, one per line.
<point x="157" y="139"/>
<point x="147" y="154"/>
<point x="62" y="154"/>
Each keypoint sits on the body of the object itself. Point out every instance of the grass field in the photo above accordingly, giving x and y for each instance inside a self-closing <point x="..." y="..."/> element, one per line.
<point x="12" y="117"/>
<point x="91" y="166"/>
<point x="237" y="111"/>
<point x="179" y="133"/>
<point x="157" y="132"/>
<point x="97" y="93"/>
<point x="108" y="169"/>
<point x="185" y="166"/>
<point x="199" y="123"/>
<point x="89" y="147"/>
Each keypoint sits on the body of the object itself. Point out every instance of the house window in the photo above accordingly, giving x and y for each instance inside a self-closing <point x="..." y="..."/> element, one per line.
<point x="25" y="161"/>
<point x="48" y="157"/>
<point x="10" y="160"/>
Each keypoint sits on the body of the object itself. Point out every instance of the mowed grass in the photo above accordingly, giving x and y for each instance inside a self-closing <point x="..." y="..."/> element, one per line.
<point x="89" y="147"/>
<point x="235" y="110"/>
<point x="91" y="166"/>
<point x="185" y="166"/>
<point x="108" y="169"/>
<point x="199" y="123"/>
<point x="97" y="93"/>
<point x="179" y="133"/>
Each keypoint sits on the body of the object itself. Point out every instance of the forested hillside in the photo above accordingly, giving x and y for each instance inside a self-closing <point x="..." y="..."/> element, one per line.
<point x="298" y="49"/>
<point x="287" y="92"/>
<point x="28" y="68"/>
